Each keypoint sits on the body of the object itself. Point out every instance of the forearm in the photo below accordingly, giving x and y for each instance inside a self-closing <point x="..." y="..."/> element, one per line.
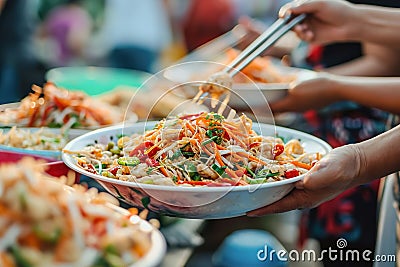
<point x="377" y="92"/>
<point x="377" y="25"/>
<point x="379" y="156"/>
<point x="377" y="60"/>
<point x="357" y="67"/>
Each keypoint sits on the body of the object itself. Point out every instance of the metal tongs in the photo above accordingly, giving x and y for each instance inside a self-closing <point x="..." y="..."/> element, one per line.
<point x="267" y="39"/>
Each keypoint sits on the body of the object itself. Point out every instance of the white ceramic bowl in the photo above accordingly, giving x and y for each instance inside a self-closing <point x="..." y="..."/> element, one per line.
<point x="158" y="247"/>
<point x="260" y="94"/>
<point x="193" y="202"/>
<point x="190" y="76"/>
<point x="156" y="252"/>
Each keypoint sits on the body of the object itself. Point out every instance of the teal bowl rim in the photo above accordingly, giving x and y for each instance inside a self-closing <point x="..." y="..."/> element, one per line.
<point x="140" y="76"/>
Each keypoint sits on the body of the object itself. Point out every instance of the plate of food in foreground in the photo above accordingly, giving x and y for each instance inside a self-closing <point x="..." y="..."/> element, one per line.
<point x="55" y="107"/>
<point x="43" y="141"/>
<point x="47" y="223"/>
<point x="196" y="165"/>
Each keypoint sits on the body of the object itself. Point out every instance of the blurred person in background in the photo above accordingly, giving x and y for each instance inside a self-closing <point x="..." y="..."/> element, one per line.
<point x="261" y="10"/>
<point x="66" y="30"/>
<point x="195" y="23"/>
<point x="206" y="20"/>
<point x="19" y="68"/>
<point x="133" y="33"/>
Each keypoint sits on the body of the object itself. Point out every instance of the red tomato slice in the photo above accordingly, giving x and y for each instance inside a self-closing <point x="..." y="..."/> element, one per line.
<point x="291" y="173"/>
<point x="278" y="149"/>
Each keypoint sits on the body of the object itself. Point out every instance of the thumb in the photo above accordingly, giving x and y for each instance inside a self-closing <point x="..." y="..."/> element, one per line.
<point x="281" y="105"/>
<point x="304" y="6"/>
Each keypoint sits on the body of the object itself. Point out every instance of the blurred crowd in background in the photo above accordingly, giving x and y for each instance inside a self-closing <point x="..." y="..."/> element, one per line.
<point x="38" y="35"/>
<point x="148" y="35"/>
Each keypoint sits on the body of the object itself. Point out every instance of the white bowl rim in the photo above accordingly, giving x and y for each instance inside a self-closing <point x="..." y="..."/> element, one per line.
<point x="204" y="189"/>
<point x="158" y="244"/>
<point x="158" y="248"/>
<point x="157" y="251"/>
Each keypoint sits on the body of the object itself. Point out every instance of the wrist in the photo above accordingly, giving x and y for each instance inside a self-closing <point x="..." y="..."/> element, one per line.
<point x="333" y="86"/>
<point x="361" y="165"/>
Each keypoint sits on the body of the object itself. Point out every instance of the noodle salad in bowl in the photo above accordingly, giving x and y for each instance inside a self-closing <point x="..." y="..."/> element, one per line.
<point x="56" y="107"/>
<point x="46" y="223"/>
<point x="182" y="164"/>
<point x="198" y="150"/>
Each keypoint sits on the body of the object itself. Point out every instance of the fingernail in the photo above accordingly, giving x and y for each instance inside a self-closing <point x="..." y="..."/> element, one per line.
<point x="252" y="214"/>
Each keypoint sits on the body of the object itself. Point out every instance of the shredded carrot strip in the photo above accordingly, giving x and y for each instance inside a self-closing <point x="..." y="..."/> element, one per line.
<point x="164" y="171"/>
<point x="31" y="240"/>
<point x="301" y="164"/>
<point x="235" y="137"/>
<point x="231" y="173"/>
<point x="191" y="128"/>
<point x="218" y="157"/>
<point x="252" y="158"/>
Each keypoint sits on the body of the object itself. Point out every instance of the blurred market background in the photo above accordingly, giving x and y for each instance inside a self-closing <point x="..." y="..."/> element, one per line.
<point x="144" y="35"/>
<point x="38" y="35"/>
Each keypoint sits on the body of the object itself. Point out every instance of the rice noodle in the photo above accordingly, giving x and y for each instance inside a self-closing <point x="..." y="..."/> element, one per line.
<point x="172" y="152"/>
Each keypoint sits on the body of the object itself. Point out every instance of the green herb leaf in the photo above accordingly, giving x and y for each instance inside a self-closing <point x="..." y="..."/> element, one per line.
<point x="209" y="133"/>
<point x="218" y="169"/>
<point x="121" y="135"/>
<point x="49" y="237"/>
<point x="256" y="181"/>
<point x="19" y="258"/>
<point x="145" y="202"/>
<point x="188" y="154"/>
<point x="191" y="170"/>
<point x="128" y="161"/>
<point x="265" y="173"/>
<point x="176" y="155"/>
<point x="149" y="170"/>
<point x="214" y="139"/>
<point x="250" y="171"/>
